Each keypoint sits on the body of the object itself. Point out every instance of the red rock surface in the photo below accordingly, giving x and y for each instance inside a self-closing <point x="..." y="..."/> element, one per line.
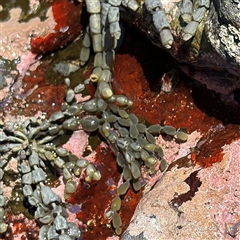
<point x="68" y="26"/>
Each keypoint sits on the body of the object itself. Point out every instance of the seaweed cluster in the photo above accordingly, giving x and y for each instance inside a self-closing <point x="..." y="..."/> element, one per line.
<point x="34" y="142"/>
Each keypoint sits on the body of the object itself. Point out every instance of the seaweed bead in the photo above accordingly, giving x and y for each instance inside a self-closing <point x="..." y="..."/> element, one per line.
<point x="123" y="132"/>
<point x="150" y="138"/>
<point x="150" y="147"/>
<point x="133" y="118"/>
<point x="90" y="170"/>
<point x="113" y="136"/>
<point x="82" y="163"/>
<point x="159" y="151"/>
<point x="79" y="88"/>
<point x="169" y="130"/>
<point x="133" y="131"/>
<point x="70" y="95"/>
<point x="56" y="116"/>
<point x="154" y="128"/>
<point x="182" y="135"/>
<point x="90" y="124"/>
<point x="135" y="146"/>
<point x="135" y="170"/>
<point x="129" y="156"/>
<point x="118" y="230"/>
<point x="67" y="174"/>
<point x="151" y="160"/>
<point x="70" y="124"/>
<point x="136" y="185"/>
<point x="116" y="204"/>
<point x="122" y="100"/>
<point x="141" y="127"/>
<point x="163" y="165"/>
<point x="105" y="129"/>
<point x="59" y="162"/>
<point x="116" y="220"/>
<point x="53" y="129"/>
<point x="123" y="188"/>
<point x="91" y="106"/>
<point x="101" y="105"/>
<point x="124" y="122"/>
<point x="62" y="152"/>
<point x="123" y="143"/>
<point x="73" y="110"/>
<point x="123" y="113"/>
<point x="121" y="160"/>
<point x="96" y="176"/>
<point x="127" y="173"/>
<point x="70" y="187"/>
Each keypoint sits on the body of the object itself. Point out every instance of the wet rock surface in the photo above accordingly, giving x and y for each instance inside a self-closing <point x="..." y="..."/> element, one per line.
<point x="212" y="55"/>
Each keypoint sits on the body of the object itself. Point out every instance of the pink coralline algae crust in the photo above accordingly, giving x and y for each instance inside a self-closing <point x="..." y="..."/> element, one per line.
<point x="21" y="228"/>
<point x="224" y="181"/>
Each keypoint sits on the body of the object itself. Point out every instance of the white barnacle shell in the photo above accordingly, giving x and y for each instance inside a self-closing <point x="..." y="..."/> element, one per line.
<point x="162" y="25"/>
<point x="152" y="5"/>
<point x="166" y="38"/>
<point x="104" y="12"/>
<point x="97" y="42"/>
<point x="95" y="23"/>
<point x="113" y="14"/>
<point x="132" y="4"/>
<point x="115" y="2"/>
<point x="199" y="14"/>
<point x="187" y="10"/>
<point x="115" y="30"/>
<point x="93" y="6"/>
<point x="205" y="3"/>
<point x="190" y="30"/>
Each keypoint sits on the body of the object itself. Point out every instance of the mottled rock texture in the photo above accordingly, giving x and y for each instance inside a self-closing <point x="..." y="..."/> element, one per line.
<point x="192" y="203"/>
